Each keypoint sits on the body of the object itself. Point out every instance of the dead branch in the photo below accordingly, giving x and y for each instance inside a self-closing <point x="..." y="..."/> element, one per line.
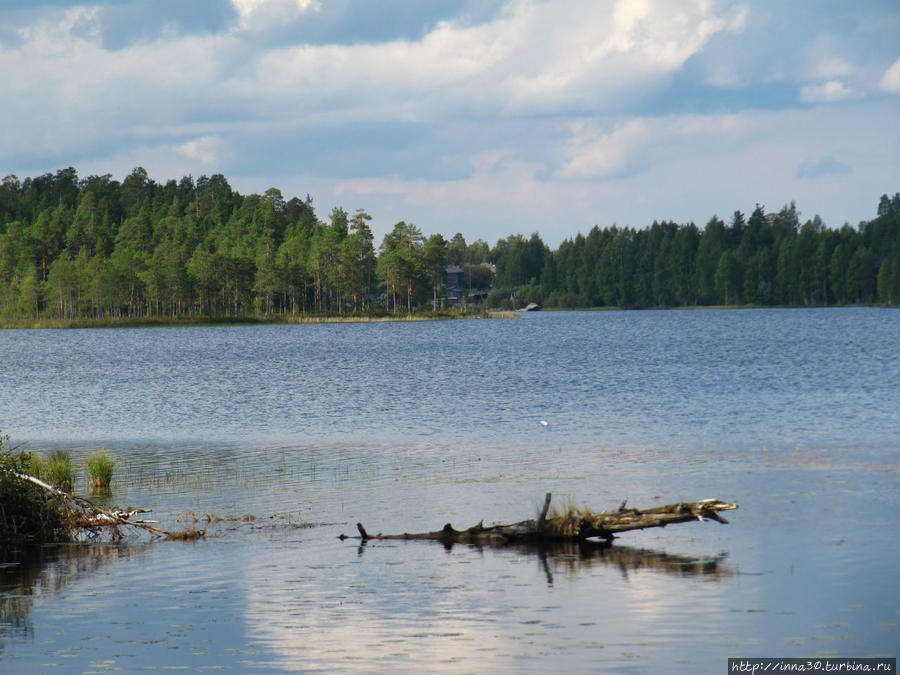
<point x="569" y="525"/>
<point x="90" y="520"/>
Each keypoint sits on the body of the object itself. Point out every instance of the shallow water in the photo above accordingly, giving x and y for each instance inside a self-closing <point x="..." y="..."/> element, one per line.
<point x="791" y="413"/>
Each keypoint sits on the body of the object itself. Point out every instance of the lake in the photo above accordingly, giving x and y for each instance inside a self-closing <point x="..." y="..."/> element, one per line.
<point x="277" y="439"/>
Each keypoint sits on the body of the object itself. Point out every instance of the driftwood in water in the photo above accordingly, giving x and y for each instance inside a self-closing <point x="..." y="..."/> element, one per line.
<point x="82" y="516"/>
<point x="570" y="525"/>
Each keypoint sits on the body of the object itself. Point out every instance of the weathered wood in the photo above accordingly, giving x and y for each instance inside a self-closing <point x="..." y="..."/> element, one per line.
<point x="570" y="525"/>
<point x="92" y="521"/>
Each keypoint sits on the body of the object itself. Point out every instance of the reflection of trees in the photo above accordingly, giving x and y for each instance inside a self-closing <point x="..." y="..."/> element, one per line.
<point x="573" y="558"/>
<point x="28" y="574"/>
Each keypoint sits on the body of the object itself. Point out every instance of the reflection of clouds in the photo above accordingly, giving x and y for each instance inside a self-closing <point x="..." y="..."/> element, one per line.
<point x="365" y="622"/>
<point x="396" y="605"/>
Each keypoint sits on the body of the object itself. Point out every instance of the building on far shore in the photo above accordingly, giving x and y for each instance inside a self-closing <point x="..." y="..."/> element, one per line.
<point x="468" y="284"/>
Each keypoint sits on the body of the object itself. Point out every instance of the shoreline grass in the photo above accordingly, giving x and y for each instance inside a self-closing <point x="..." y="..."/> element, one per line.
<point x="157" y="322"/>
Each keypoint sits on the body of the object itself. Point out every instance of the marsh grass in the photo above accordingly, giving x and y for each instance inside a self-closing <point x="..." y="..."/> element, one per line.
<point x="185" y="476"/>
<point x="34" y="464"/>
<point x="59" y="471"/>
<point x="126" y="322"/>
<point x="100" y="467"/>
<point x="572" y="519"/>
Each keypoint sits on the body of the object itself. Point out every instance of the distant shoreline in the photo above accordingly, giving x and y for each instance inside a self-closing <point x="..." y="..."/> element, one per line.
<point x="156" y="322"/>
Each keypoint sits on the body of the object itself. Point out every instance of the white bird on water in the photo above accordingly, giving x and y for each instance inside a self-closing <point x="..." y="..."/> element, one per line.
<point x="545" y="423"/>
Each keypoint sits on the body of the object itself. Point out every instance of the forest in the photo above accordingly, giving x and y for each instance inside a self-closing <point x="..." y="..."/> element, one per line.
<point x="76" y="248"/>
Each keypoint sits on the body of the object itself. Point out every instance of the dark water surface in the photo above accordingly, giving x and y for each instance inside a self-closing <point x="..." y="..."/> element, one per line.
<point x="794" y="414"/>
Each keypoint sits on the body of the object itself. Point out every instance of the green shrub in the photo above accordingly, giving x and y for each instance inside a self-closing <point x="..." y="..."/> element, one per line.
<point x="28" y="515"/>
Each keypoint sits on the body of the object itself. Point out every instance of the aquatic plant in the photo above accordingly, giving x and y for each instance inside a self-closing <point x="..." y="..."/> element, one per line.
<point x="59" y="471"/>
<point x="100" y="467"/>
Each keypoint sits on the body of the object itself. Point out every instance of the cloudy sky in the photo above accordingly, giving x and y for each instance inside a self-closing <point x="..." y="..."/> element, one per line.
<point x="486" y="117"/>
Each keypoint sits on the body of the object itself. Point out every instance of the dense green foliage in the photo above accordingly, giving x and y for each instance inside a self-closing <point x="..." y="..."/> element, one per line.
<point x="767" y="259"/>
<point x="95" y="248"/>
<point x="27" y="513"/>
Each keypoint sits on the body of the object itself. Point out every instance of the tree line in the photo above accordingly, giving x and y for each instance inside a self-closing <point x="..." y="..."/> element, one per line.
<point x="74" y="248"/>
<point x="77" y="248"/>
<point x="766" y="259"/>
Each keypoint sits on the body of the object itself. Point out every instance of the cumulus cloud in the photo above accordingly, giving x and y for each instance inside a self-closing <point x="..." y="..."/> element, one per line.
<point x="594" y="151"/>
<point x="890" y="82"/>
<point x="833" y="90"/>
<point x="534" y="57"/>
<point x="535" y="101"/>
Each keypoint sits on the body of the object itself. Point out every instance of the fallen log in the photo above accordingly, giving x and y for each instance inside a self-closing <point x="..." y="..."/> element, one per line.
<point x="83" y="517"/>
<point x="569" y="525"/>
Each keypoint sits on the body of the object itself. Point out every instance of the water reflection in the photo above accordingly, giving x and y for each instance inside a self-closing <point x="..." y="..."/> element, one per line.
<point x="388" y="604"/>
<point x="30" y="574"/>
<point x="572" y="558"/>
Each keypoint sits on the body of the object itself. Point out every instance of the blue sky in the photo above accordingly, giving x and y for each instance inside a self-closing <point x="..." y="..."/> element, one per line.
<point x="484" y="117"/>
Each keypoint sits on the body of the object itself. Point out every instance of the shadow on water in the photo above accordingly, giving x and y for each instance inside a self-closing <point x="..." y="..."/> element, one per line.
<point x="26" y="575"/>
<point x="573" y="558"/>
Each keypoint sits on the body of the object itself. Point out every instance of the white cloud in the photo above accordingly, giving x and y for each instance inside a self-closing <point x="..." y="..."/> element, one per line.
<point x="571" y="90"/>
<point x="632" y="171"/>
<point x="261" y="14"/>
<point x="164" y="160"/>
<point x="494" y="172"/>
<point x="535" y="57"/>
<point x="830" y="68"/>
<point x="890" y="82"/>
<point x="833" y="90"/>
<point x="206" y="151"/>
<point x="595" y="152"/>
<point x="64" y="91"/>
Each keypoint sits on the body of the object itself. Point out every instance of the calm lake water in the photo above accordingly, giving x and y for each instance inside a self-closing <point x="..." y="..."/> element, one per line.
<point x="793" y="414"/>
